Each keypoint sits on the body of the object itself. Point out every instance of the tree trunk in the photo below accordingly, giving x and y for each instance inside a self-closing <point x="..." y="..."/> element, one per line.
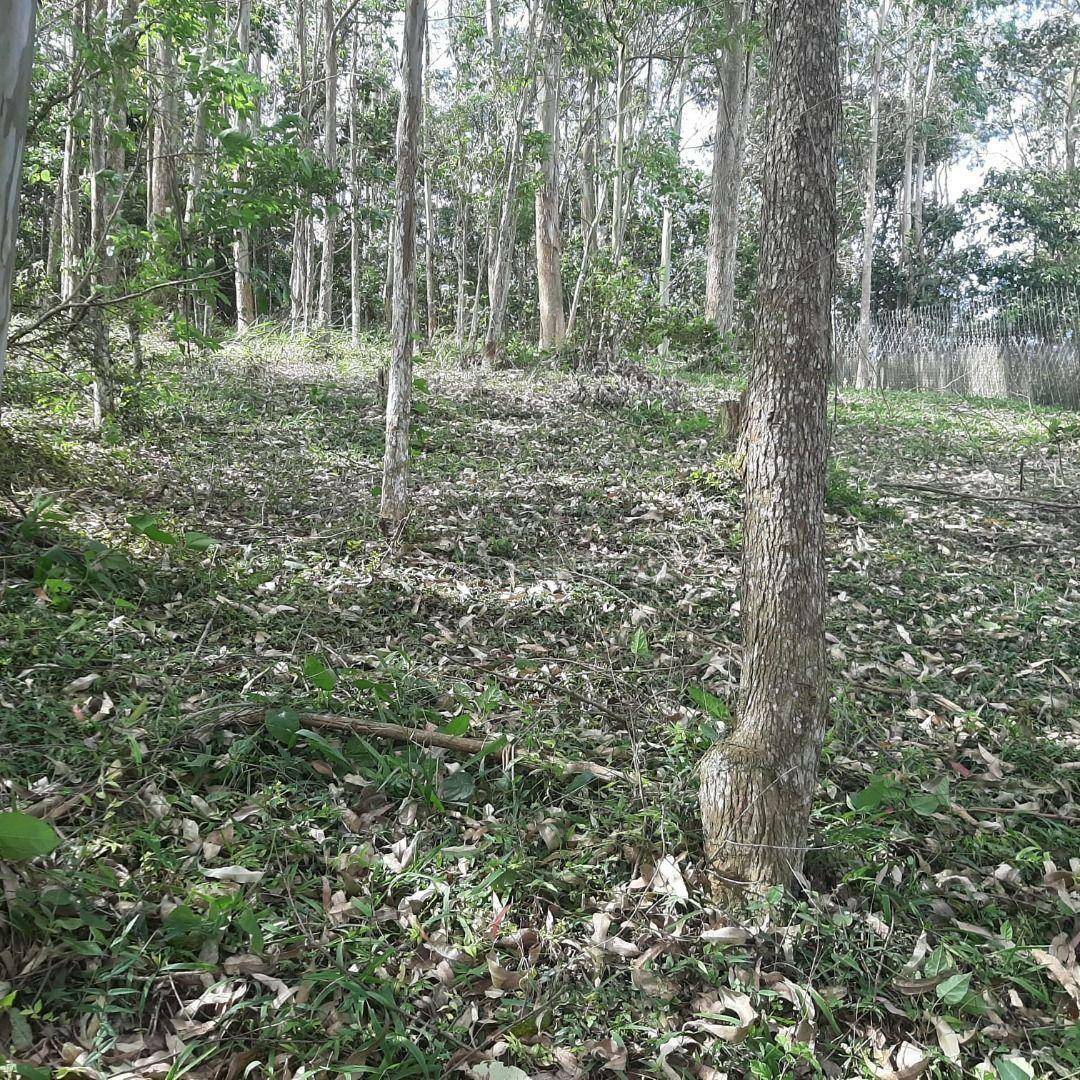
<point x="326" y="274"/>
<point x="906" y="183"/>
<point x="102" y="390"/>
<point x="16" y="63"/>
<point x="245" y="293"/>
<point x="395" y="493"/>
<point x="863" y="374"/>
<point x="668" y="218"/>
<point x="549" y="281"/>
<point x="622" y="94"/>
<point x="356" y="299"/>
<point x="731" y="117"/>
<point x="757" y="785"/>
<point x="300" y="271"/>
<point x="165" y="139"/>
<point x="431" y="286"/>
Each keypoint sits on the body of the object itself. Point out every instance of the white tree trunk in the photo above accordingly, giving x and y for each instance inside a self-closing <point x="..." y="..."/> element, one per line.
<point x="864" y="375"/>
<point x="549" y="282"/>
<point x="395" y="492"/>
<point x="16" y="63"/>
<point x="731" y="119"/>
<point x="330" y="73"/>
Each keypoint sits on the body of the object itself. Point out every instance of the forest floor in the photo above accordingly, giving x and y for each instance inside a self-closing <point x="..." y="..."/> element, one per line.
<point x="233" y="900"/>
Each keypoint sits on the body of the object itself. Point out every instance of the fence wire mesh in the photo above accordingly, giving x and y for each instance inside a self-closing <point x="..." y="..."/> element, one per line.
<point x="1024" y="346"/>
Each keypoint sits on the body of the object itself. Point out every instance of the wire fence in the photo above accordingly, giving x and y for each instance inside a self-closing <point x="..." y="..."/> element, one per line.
<point x="1025" y="346"/>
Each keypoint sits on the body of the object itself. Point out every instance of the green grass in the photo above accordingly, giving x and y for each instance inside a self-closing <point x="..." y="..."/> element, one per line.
<point x="568" y="578"/>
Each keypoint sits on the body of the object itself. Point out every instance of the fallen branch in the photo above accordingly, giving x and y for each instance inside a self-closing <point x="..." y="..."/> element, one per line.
<point x="459" y="744"/>
<point x="972" y="496"/>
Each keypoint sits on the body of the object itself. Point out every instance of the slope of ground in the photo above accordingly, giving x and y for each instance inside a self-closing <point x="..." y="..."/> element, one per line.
<point x="235" y="900"/>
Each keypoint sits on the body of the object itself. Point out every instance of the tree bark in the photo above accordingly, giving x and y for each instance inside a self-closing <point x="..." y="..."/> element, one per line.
<point x="356" y="299"/>
<point x="326" y="273"/>
<point x="395" y="493"/>
<point x="863" y="373"/>
<point x="757" y="784"/>
<point x="165" y="140"/>
<point x="731" y="117"/>
<point x="907" y="180"/>
<point x="102" y="390"/>
<point x="245" y="292"/>
<point x="549" y="282"/>
<point x="431" y="285"/>
<point x="16" y="63"/>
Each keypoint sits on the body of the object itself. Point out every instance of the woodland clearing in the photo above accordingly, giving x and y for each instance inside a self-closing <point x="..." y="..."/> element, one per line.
<point x="229" y="897"/>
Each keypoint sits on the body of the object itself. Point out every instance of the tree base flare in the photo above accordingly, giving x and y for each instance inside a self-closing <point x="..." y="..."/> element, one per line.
<point x="753" y="819"/>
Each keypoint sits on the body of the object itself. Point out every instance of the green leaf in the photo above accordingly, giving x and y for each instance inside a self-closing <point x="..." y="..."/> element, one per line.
<point x="147" y="525"/>
<point x="709" y="703"/>
<point x="319" y="674"/>
<point x="954" y="989"/>
<point x="24" y="837"/>
<point x="881" y="789"/>
<point x="1007" y="1069"/>
<point x="199" y="541"/>
<point x="937" y="962"/>
<point x="458" y="787"/>
<point x="283" y="724"/>
<point x="925" y="804"/>
<point x="22" y="1037"/>
<point x="457" y="726"/>
<point x="639" y="645"/>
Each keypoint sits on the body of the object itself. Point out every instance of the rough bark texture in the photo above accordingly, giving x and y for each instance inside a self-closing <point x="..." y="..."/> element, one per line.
<point x="395" y="494"/>
<point x="864" y="373"/>
<point x="16" y="62"/>
<point x="731" y="116"/>
<point x="758" y="783"/>
<point x="549" y="281"/>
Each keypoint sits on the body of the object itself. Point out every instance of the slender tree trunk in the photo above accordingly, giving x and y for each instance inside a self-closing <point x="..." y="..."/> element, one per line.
<point x="245" y="292"/>
<point x="1070" y="119"/>
<point x="103" y="393"/>
<point x="588" y="178"/>
<point x="863" y="374"/>
<point x="395" y="492"/>
<point x="920" y="167"/>
<point x="907" y="180"/>
<point x="356" y="298"/>
<point x="549" y="281"/>
<point x="731" y="118"/>
<point x="166" y="140"/>
<point x="326" y="275"/>
<point x="757" y="785"/>
<point x="16" y="63"/>
<point x="431" y="285"/>
<point x="622" y="95"/>
<point x="300" y="273"/>
<point x="668" y="217"/>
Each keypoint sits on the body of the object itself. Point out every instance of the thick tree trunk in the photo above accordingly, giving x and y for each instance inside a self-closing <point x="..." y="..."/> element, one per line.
<point x="549" y="281"/>
<point x="395" y="493"/>
<point x="863" y="374"/>
<point x="757" y="784"/>
<point x="731" y="117"/>
<point x="16" y="63"/>
<point x="326" y="273"/>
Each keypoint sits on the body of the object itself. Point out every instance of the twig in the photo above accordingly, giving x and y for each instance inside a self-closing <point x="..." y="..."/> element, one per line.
<point x="972" y="496"/>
